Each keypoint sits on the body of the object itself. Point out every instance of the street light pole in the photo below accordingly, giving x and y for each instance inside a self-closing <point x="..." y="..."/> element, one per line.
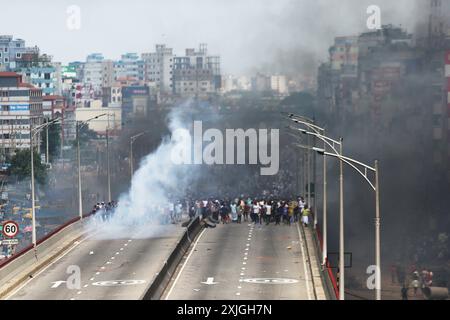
<point x="330" y="142"/>
<point x="131" y="159"/>
<point x="33" y="131"/>
<point x="324" y="231"/>
<point x="377" y="234"/>
<point x="80" y="195"/>
<point x="354" y="163"/>
<point x="46" y="145"/>
<point x="108" y="166"/>
<point x="33" y="208"/>
<point x="132" y="140"/>
<point x="308" y="153"/>
<point x="341" y="227"/>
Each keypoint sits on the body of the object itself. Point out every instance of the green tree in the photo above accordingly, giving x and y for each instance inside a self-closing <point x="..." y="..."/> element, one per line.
<point x="54" y="140"/>
<point x="85" y="135"/>
<point x="21" y="166"/>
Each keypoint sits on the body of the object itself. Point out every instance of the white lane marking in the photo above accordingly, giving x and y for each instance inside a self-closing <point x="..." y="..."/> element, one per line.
<point x="245" y="258"/>
<point x="112" y="258"/>
<point x="79" y="292"/>
<point x="102" y="268"/>
<point x="304" y="263"/>
<point x="108" y="262"/>
<point x="91" y="252"/>
<point x="125" y="244"/>
<point x="244" y="262"/>
<point x="97" y="273"/>
<point x="86" y="285"/>
<point x="92" y="279"/>
<point x="76" y="243"/>
<point x="121" y="249"/>
<point x="117" y="253"/>
<point x="184" y="264"/>
<point x="209" y="281"/>
<point x="238" y="293"/>
<point x="130" y="240"/>
<point x="72" y="298"/>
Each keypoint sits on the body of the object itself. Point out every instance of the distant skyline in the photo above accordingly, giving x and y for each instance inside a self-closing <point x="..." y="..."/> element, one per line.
<point x="247" y="34"/>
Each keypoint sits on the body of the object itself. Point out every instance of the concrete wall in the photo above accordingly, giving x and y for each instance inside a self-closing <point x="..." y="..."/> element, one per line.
<point x="14" y="271"/>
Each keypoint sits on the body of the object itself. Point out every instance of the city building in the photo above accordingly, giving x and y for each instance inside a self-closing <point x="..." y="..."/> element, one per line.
<point x="196" y="73"/>
<point x="14" y="54"/>
<point x="20" y="107"/>
<point x="261" y="83"/>
<point x="53" y="106"/>
<point x="129" y="66"/>
<point x="111" y="122"/>
<point x="439" y="24"/>
<point x="112" y="96"/>
<point x="278" y="84"/>
<point x="93" y="72"/>
<point x="136" y="101"/>
<point x="158" y="68"/>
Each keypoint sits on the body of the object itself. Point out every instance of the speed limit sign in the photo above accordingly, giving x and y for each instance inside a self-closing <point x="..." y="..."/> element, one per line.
<point x="10" y="229"/>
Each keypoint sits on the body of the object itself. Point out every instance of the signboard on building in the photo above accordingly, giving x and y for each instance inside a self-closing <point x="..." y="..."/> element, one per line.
<point x="19" y="107"/>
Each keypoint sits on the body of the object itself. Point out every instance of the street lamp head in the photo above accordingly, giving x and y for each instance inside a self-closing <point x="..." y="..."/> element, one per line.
<point x="319" y="151"/>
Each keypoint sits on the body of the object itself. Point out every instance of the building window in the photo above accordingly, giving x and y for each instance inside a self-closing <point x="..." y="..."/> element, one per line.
<point x="5" y="108"/>
<point x="18" y="55"/>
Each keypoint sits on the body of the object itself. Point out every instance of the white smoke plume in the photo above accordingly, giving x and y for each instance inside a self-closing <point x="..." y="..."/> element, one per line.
<point x="156" y="183"/>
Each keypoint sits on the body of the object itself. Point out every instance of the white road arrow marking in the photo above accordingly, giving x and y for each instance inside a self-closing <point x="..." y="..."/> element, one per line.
<point x="56" y="284"/>
<point x="210" y="281"/>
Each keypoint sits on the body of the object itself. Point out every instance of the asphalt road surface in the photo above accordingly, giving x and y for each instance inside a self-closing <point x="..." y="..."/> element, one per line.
<point x="244" y="261"/>
<point x="113" y="265"/>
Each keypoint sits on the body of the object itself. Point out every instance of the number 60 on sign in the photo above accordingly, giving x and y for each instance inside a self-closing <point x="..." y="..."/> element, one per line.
<point x="10" y="229"/>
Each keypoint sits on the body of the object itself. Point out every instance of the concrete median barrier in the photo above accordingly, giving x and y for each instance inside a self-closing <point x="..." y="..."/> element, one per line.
<point x="435" y="293"/>
<point x="27" y="262"/>
<point x="168" y="268"/>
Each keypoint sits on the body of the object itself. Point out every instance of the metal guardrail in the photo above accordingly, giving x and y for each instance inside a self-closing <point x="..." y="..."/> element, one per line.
<point x="328" y="276"/>
<point x="46" y="237"/>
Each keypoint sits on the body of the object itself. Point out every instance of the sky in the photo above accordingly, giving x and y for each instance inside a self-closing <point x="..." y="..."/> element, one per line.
<point x="247" y="34"/>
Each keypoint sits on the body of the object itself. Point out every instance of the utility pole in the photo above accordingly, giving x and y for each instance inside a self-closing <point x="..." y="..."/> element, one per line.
<point x="33" y="208"/>
<point x="377" y="233"/>
<point x="108" y="165"/>
<point x="80" y="195"/>
<point x="341" y="227"/>
<point x="46" y="144"/>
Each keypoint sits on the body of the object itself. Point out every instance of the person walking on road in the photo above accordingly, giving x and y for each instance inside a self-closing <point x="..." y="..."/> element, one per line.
<point x="268" y="212"/>
<point x="404" y="293"/>
<point x="305" y="216"/>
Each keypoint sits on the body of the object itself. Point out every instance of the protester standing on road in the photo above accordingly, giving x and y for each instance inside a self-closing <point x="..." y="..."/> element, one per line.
<point x="305" y="216"/>
<point x="268" y="212"/>
<point x="240" y="211"/>
<point x="404" y="293"/>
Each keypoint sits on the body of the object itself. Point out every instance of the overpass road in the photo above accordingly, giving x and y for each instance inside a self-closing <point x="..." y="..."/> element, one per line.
<point x="244" y="261"/>
<point x="110" y="267"/>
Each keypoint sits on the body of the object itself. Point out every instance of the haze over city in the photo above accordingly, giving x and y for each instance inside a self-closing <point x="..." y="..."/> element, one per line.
<point x="257" y="31"/>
